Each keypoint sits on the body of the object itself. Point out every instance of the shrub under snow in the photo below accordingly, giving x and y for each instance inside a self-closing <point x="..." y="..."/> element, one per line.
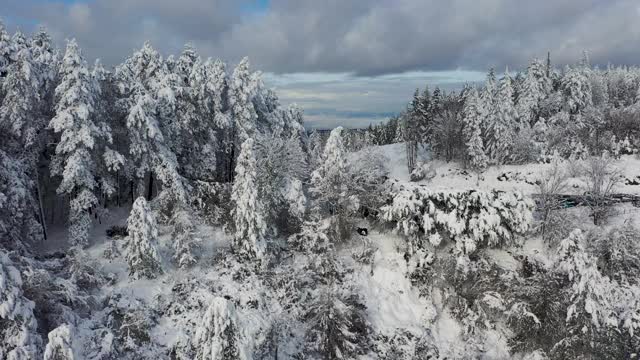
<point x="471" y="219"/>
<point x="142" y="255"/>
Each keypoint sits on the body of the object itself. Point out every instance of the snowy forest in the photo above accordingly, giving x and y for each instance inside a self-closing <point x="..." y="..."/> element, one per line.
<point x="172" y="208"/>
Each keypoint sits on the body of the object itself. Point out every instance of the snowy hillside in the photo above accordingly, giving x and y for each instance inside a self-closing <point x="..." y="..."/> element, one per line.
<point x="454" y="176"/>
<point x="172" y="208"/>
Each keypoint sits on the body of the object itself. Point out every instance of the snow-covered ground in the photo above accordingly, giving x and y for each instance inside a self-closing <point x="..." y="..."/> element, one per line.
<point x="453" y="176"/>
<point x="392" y="302"/>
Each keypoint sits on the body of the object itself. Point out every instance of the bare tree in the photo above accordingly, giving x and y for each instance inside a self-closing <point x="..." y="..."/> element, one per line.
<point x="601" y="178"/>
<point x="552" y="183"/>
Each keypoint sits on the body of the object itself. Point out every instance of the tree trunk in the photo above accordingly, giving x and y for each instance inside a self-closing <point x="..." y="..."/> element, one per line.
<point x="132" y="192"/>
<point x="150" y="188"/>
<point x="42" y="219"/>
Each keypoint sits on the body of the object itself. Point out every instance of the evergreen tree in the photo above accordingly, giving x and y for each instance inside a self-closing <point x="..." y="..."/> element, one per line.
<point x="18" y="114"/>
<point x="242" y="89"/>
<point x="5" y="50"/>
<point x="142" y="256"/>
<point x="76" y="151"/>
<point x="473" y="133"/>
<point x="315" y="149"/>
<point x="532" y="92"/>
<point x="149" y="99"/>
<point x="248" y="212"/>
<point x="328" y="181"/>
<point x="23" y="125"/>
<point x="576" y="89"/>
<point x="19" y="339"/>
<point x="218" y="336"/>
<point x="503" y="123"/>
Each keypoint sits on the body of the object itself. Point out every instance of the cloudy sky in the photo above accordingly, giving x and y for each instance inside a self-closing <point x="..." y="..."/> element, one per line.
<point x="348" y="62"/>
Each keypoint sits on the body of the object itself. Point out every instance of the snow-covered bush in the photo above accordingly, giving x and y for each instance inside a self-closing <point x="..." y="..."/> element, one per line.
<point x="602" y="178"/>
<point x="551" y="184"/>
<point x="18" y="327"/>
<point x="141" y="253"/>
<point x="337" y="326"/>
<point x="603" y="316"/>
<point x="212" y="201"/>
<point x="618" y="253"/>
<point x="185" y="242"/>
<point x="85" y="272"/>
<point x="218" y="336"/>
<point x="131" y="321"/>
<point x="312" y="238"/>
<point x="471" y="219"/>
<point x="60" y="346"/>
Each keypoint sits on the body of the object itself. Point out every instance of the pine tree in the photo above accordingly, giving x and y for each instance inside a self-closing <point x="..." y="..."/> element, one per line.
<point x="473" y="133"/>
<point x="248" y="210"/>
<point x="533" y="91"/>
<point x="5" y="50"/>
<point x="328" y="181"/>
<point x="218" y="336"/>
<point x="19" y="339"/>
<point x="60" y="344"/>
<point x="75" y="152"/>
<point x="503" y="123"/>
<point x="576" y="89"/>
<point x="185" y="244"/>
<point x="216" y="86"/>
<point x="315" y="149"/>
<point x="147" y="91"/>
<point x="18" y="115"/>
<point x="335" y="323"/>
<point x="142" y="256"/>
<point x="241" y="92"/>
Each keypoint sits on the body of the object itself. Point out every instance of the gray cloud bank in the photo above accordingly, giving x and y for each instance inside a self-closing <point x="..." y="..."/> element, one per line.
<point x="367" y="37"/>
<point x="367" y="54"/>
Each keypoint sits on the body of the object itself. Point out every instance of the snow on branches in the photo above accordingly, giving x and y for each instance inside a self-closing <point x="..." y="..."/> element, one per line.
<point x="471" y="219"/>
<point x="142" y="255"/>
<point x="218" y="336"/>
<point x="248" y="213"/>
<point x="18" y="337"/>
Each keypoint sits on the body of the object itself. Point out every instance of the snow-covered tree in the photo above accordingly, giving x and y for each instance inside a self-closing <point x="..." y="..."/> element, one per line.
<point x="576" y="88"/>
<point x="241" y="92"/>
<point x="148" y="97"/>
<point x="248" y="212"/>
<point x="19" y="339"/>
<point x="532" y="91"/>
<point x="18" y="114"/>
<point x="503" y="120"/>
<point x="337" y="326"/>
<point x="60" y="345"/>
<point x="297" y="201"/>
<point x="473" y="132"/>
<point x="468" y="218"/>
<point x="19" y="221"/>
<point x="75" y="152"/>
<point x="315" y="149"/>
<point x="142" y="256"/>
<point x="281" y="162"/>
<point x="328" y="181"/>
<point x="5" y="50"/>
<point x="218" y="336"/>
<point x="185" y="244"/>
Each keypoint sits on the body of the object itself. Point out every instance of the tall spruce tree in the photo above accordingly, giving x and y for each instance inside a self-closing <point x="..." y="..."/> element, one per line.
<point x="142" y="256"/>
<point x="76" y="151"/>
<point x="473" y="133"/>
<point x="503" y="123"/>
<point x="248" y="211"/>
